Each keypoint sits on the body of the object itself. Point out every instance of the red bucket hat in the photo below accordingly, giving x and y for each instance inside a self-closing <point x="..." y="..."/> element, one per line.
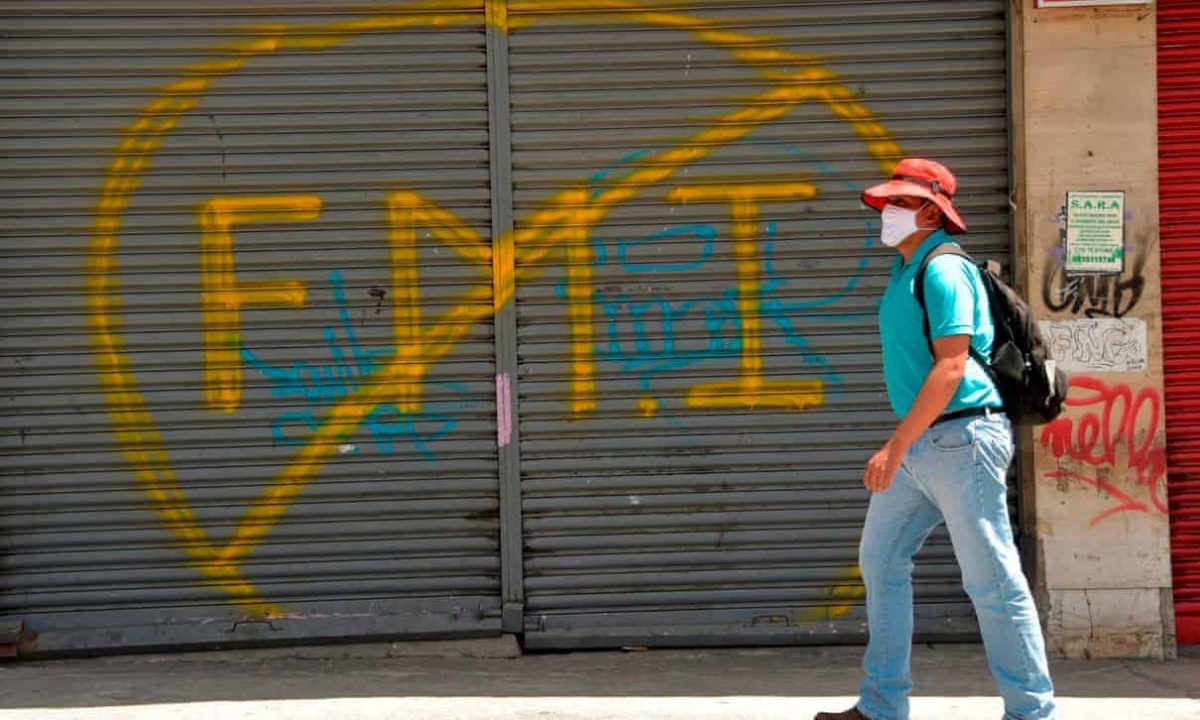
<point x="924" y="179"/>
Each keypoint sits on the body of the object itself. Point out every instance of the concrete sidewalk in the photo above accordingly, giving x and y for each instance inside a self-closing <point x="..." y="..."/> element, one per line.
<point x="404" y="681"/>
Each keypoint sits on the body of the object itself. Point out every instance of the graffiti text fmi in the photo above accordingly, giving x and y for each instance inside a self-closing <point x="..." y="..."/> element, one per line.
<point x="224" y="295"/>
<point x="789" y="80"/>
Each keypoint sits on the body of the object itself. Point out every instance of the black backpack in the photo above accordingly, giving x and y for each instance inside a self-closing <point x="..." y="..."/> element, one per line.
<point x="1032" y="386"/>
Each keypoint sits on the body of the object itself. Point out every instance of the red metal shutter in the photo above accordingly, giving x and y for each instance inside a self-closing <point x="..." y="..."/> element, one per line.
<point x="1179" y="177"/>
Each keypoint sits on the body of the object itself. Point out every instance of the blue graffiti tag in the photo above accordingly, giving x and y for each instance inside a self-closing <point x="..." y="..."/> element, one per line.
<point x="351" y="365"/>
<point x="655" y="345"/>
<point x="706" y="233"/>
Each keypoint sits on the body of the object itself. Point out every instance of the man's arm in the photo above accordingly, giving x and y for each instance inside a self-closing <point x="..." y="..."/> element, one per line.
<point x="950" y="362"/>
<point x="950" y="293"/>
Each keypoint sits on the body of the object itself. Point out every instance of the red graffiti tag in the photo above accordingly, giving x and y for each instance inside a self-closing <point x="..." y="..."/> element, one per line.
<point x="1117" y="416"/>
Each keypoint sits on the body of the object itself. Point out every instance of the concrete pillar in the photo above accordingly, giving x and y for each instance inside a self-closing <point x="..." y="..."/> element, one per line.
<point x="1085" y="118"/>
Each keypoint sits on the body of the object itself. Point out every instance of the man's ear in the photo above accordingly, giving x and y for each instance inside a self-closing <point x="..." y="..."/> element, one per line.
<point x="931" y="216"/>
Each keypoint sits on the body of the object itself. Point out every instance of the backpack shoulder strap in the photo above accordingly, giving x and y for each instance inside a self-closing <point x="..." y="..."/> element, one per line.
<point x="919" y="292"/>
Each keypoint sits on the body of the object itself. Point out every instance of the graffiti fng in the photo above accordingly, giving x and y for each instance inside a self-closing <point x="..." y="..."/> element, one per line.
<point x="1098" y="345"/>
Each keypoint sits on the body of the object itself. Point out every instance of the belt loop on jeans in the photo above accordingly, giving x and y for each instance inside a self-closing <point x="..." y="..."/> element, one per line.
<point x="966" y="413"/>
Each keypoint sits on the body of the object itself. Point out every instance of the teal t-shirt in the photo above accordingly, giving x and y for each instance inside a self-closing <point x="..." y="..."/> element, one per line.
<point x="957" y="304"/>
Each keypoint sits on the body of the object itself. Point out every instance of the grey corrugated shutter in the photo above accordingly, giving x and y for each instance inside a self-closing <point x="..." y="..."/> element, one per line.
<point x="173" y="470"/>
<point x="700" y="376"/>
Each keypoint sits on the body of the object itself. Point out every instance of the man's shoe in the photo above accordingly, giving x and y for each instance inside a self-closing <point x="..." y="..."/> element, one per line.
<point x="851" y="714"/>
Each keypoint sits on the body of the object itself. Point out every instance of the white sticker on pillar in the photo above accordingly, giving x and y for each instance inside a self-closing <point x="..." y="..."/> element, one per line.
<point x="504" y="417"/>
<point x="1097" y="344"/>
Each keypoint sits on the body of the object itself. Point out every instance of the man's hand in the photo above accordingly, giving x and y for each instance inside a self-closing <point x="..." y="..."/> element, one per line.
<point x="950" y="361"/>
<point x="883" y="465"/>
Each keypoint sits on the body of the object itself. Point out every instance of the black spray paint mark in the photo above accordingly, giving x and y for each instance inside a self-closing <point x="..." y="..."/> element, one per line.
<point x="1094" y="295"/>
<point x="378" y="294"/>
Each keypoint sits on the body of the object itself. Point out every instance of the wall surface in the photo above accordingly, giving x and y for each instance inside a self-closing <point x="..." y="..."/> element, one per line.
<point x="1085" y="113"/>
<point x="343" y="319"/>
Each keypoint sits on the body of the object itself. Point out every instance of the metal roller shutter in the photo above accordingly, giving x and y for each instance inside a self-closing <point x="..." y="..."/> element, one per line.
<point x="232" y="231"/>
<point x="1179" y="185"/>
<point x="700" y="381"/>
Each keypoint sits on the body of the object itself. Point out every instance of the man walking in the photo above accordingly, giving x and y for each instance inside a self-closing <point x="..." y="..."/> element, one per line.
<point x="946" y="461"/>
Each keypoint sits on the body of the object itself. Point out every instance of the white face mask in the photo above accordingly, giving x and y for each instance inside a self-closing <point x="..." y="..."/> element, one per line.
<point x="898" y="223"/>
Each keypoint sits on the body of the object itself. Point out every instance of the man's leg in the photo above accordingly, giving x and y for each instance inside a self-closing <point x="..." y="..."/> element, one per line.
<point x="971" y="493"/>
<point x="898" y="521"/>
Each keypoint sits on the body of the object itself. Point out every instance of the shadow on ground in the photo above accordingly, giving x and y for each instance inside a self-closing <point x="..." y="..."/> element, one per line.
<point x="944" y="670"/>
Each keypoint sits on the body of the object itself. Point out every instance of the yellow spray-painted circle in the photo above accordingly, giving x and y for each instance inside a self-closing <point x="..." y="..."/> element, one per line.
<point x="796" y="79"/>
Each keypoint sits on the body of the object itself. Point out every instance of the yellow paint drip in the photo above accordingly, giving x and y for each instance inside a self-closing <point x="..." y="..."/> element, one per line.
<point x="580" y="294"/>
<point x="841" y="597"/>
<point x="647" y="407"/>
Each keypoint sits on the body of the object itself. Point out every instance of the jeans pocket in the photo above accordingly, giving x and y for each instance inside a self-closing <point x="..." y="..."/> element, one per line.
<point x="951" y="437"/>
<point x="996" y="444"/>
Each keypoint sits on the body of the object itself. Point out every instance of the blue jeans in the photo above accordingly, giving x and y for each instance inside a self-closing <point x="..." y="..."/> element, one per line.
<point x="955" y="472"/>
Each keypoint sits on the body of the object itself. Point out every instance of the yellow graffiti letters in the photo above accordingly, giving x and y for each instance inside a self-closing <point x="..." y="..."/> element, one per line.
<point x="407" y="211"/>
<point x="580" y="291"/>
<point x="791" y="80"/>
<point x="224" y="295"/>
<point x="751" y="390"/>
